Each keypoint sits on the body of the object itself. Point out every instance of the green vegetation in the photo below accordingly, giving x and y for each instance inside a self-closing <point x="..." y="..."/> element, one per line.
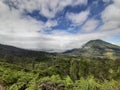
<point x="61" y="73"/>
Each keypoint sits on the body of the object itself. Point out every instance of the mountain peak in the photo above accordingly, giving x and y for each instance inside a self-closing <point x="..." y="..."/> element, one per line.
<point x="97" y="48"/>
<point x="97" y="41"/>
<point x="100" y="43"/>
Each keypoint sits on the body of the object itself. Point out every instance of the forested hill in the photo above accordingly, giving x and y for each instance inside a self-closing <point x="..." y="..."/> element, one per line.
<point x="14" y="51"/>
<point x="96" y="48"/>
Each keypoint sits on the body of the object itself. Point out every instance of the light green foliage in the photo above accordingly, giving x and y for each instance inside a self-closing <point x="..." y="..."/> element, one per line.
<point x="74" y="69"/>
<point x="109" y="85"/>
<point x="87" y="84"/>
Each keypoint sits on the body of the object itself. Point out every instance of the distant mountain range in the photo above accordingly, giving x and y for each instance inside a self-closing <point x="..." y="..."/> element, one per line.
<point x="96" y="48"/>
<point x="90" y="49"/>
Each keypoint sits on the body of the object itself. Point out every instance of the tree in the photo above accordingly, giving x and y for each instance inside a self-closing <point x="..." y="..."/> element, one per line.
<point x="74" y="69"/>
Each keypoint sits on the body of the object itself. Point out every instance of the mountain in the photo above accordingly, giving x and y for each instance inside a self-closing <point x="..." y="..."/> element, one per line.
<point x="20" y="56"/>
<point x="90" y="49"/>
<point x="14" y="51"/>
<point x="96" y="48"/>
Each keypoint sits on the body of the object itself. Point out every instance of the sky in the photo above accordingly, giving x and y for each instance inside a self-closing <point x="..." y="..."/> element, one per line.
<point x="58" y="25"/>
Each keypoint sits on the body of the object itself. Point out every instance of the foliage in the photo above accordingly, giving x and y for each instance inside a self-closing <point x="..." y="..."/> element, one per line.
<point x="61" y="73"/>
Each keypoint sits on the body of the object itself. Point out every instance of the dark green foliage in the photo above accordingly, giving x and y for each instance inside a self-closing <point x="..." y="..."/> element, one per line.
<point x="74" y="69"/>
<point x="62" y="74"/>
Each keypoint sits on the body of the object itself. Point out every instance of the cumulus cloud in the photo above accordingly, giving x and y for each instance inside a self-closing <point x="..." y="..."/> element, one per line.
<point x="11" y="21"/>
<point x="79" y="18"/>
<point x="24" y="31"/>
<point x="111" y="16"/>
<point x="51" y="23"/>
<point x="48" y="8"/>
<point x="107" y="1"/>
<point x="90" y="25"/>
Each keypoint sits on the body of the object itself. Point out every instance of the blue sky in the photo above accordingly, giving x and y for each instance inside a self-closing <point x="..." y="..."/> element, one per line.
<point x="95" y="8"/>
<point x="58" y="25"/>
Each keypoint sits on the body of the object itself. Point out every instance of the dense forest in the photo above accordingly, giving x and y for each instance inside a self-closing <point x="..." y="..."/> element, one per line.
<point x="73" y="70"/>
<point x="60" y="72"/>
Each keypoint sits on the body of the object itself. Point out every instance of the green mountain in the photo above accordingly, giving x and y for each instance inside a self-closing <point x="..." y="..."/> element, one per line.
<point x="96" y="48"/>
<point x="12" y="54"/>
<point x="10" y="50"/>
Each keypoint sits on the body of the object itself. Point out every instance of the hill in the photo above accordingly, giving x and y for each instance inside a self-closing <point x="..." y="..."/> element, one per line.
<point x="96" y="48"/>
<point x="16" y="55"/>
<point x="14" y="51"/>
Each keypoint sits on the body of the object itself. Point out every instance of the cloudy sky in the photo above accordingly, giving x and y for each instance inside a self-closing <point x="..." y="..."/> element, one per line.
<point x="58" y="25"/>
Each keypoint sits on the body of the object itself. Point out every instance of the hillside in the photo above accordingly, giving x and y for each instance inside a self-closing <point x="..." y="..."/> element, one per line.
<point x="96" y="48"/>
<point x="16" y="55"/>
<point x="10" y="50"/>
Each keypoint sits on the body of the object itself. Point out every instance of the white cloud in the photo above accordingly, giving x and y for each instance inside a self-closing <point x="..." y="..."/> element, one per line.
<point x="107" y="1"/>
<point x="111" y="17"/>
<point x="117" y="3"/>
<point x="90" y="25"/>
<point x="47" y="8"/>
<point x="11" y="21"/>
<point x="55" y="42"/>
<point x="51" y="23"/>
<point x="110" y="25"/>
<point x="111" y="13"/>
<point x="78" y="18"/>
